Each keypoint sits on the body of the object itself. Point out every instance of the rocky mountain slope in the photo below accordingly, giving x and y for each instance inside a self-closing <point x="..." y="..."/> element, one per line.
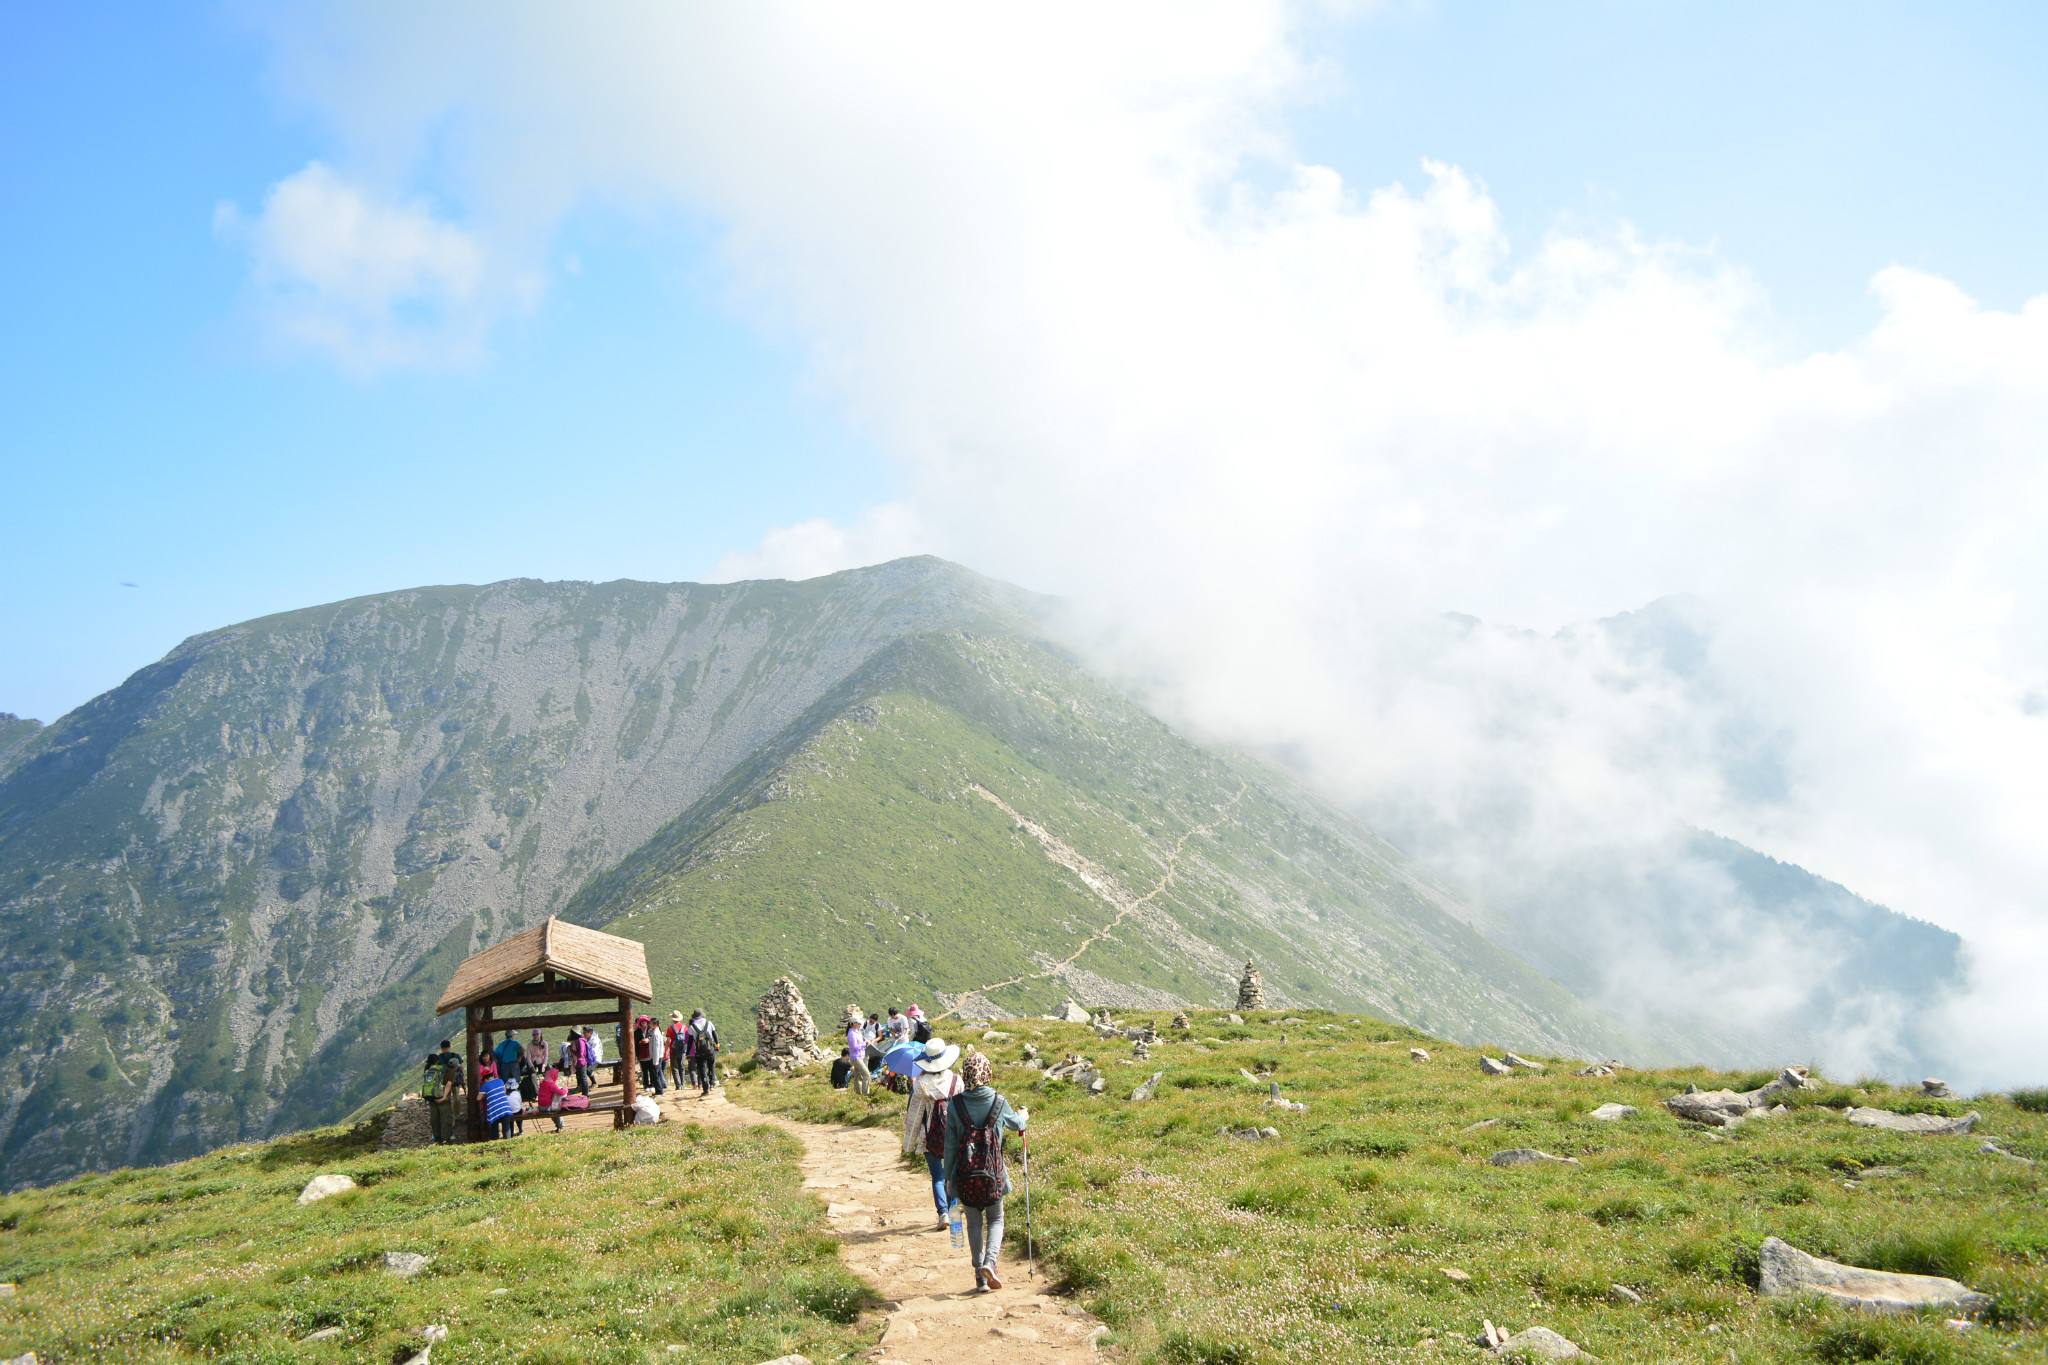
<point x="973" y="820"/>
<point x="230" y="887"/>
<point x="15" y="733"/>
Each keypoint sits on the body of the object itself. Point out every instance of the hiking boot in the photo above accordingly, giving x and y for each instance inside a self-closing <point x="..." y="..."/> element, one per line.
<point x="980" y="1280"/>
<point x="993" y="1282"/>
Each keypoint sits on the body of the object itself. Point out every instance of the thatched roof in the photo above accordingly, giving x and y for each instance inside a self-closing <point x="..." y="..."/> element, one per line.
<point x="569" y="950"/>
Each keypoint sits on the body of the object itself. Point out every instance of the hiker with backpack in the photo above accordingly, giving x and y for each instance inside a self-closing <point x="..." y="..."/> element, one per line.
<point x="924" y="1122"/>
<point x="704" y="1050"/>
<point x="920" y="1027"/>
<point x="441" y="1087"/>
<point x="509" y="1053"/>
<point x="974" y="1170"/>
<point x="678" y="1036"/>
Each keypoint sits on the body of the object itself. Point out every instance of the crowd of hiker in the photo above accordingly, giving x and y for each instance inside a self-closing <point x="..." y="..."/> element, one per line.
<point x="518" y="1080"/>
<point x="955" y="1120"/>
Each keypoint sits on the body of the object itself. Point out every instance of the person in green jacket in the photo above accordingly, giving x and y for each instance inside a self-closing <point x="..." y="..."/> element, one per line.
<point x="444" y="1103"/>
<point x="978" y="1106"/>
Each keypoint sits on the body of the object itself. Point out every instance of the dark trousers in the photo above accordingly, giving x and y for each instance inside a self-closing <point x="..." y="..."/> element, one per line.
<point x="706" y="1065"/>
<point x="582" y="1079"/>
<point x="679" y="1067"/>
<point x="650" y="1079"/>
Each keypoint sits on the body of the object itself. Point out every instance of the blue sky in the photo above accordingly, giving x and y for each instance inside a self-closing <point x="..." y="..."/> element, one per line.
<point x="639" y="421"/>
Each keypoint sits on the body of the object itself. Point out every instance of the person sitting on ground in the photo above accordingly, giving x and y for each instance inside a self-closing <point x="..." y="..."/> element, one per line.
<point x="550" y="1095"/>
<point x="924" y="1120"/>
<point x="974" y="1169"/>
<point x="842" y="1069"/>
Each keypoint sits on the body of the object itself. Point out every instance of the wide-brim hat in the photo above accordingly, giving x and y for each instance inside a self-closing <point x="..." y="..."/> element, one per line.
<point x="939" y="1055"/>
<point x="675" y="1014"/>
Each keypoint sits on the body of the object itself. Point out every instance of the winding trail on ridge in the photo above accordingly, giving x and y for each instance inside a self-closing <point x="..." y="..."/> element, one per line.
<point x="1092" y="877"/>
<point x="881" y="1212"/>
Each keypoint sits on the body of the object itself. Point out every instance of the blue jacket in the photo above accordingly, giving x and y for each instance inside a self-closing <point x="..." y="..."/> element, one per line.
<point x="970" y="1109"/>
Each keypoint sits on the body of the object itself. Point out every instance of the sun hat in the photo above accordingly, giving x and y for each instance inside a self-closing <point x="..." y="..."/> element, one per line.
<point x="939" y="1055"/>
<point x="675" y="1014"/>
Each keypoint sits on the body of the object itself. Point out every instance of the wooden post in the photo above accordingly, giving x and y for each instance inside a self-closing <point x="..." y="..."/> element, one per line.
<point x="629" y="1063"/>
<point x="474" y="1118"/>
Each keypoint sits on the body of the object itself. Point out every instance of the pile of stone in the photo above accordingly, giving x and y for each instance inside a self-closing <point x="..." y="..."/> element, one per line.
<point x="1727" y="1108"/>
<point x="787" y="1038"/>
<point x="1610" y="1067"/>
<point x="1936" y="1089"/>
<point x="1078" y="1069"/>
<point x="1180" y="1021"/>
<point x="409" y="1124"/>
<point x="1251" y="991"/>
<point x="1274" y="1100"/>
<point x="1141" y="1050"/>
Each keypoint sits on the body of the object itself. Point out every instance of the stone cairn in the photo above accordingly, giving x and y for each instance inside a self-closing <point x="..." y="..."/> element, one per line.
<point x="1251" y="991"/>
<point x="788" y="1038"/>
<point x="410" y="1125"/>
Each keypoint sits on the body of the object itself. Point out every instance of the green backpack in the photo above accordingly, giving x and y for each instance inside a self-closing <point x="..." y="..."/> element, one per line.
<point x="430" y="1081"/>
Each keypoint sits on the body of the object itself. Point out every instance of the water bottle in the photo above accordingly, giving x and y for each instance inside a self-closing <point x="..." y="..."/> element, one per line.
<point x="958" y="1222"/>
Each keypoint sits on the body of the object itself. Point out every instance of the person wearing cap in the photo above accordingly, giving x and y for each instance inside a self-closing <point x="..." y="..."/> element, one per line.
<point x="678" y="1049"/>
<point x="857" y="1049"/>
<point x="924" y="1121"/>
<point x="978" y="1104"/>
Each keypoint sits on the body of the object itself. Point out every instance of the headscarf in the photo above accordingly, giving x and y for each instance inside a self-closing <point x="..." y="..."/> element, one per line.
<point x="977" y="1071"/>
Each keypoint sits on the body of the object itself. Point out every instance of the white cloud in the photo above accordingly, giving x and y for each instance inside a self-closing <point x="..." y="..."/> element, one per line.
<point x="366" y="282"/>
<point x="1261" y="422"/>
<point x="808" y="549"/>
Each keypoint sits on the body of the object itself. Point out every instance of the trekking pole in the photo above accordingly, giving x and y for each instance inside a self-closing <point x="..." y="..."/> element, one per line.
<point x="1030" y="1254"/>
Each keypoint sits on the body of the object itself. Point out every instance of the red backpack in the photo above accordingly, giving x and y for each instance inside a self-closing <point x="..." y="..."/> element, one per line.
<point x="983" y="1181"/>
<point x="935" y="1128"/>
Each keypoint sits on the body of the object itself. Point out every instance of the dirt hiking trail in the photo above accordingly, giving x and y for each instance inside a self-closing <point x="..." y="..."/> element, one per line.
<point x="882" y="1213"/>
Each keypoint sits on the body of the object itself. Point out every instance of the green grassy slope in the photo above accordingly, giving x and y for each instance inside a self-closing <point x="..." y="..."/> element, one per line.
<point x="610" y="1247"/>
<point x="867" y="853"/>
<point x="1331" y="1243"/>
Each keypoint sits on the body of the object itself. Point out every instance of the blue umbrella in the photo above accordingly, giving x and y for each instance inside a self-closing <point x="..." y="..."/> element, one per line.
<point x="902" y="1059"/>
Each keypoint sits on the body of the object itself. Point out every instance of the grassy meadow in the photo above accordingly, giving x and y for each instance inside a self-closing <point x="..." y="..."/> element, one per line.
<point x="584" y="1247"/>
<point x="1334" y="1242"/>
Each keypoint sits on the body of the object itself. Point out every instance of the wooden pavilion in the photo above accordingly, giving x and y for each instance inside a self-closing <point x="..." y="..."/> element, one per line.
<point x="550" y="964"/>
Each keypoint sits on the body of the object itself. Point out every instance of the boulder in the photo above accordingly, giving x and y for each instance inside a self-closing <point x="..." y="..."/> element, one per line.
<point x="1180" y="1021"/>
<point x="1609" y="1113"/>
<point x="1933" y="1124"/>
<point x="1073" y="1014"/>
<point x="1522" y="1062"/>
<point x="786" y="1360"/>
<point x="321" y="1186"/>
<point x="1993" y="1149"/>
<point x="1621" y="1293"/>
<point x="1529" y="1156"/>
<point x="1539" y="1343"/>
<point x="1610" y="1067"/>
<point x="1455" y="1275"/>
<point x="1233" y="1018"/>
<point x="324" y="1334"/>
<point x="1249" y="1134"/>
<point x="1416" y="1054"/>
<point x="1936" y="1088"/>
<point x="1146" y="1090"/>
<point x="1786" y="1270"/>
<point x="1727" y="1108"/>
<point x="405" y="1264"/>
<point x="409" y="1124"/>
<point x="1494" y="1068"/>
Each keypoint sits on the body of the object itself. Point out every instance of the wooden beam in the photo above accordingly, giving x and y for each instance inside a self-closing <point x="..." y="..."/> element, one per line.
<point x="535" y="994"/>
<point x="629" y="1057"/>
<point x="548" y="1021"/>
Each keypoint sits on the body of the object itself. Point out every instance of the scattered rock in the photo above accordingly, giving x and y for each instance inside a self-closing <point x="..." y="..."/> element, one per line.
<point x="1030" y="1052"/>
<point x="1248" y="1134"/>
<point x="1610" y="1067"/>
<point x="1476" y="1127"/>
<point x="321" y="1186"/>
<point x="1416" y="1054"/>
<point x="1180" y="1021"/>
<point x="1936" y="1088"/>
<point x="1788" y="1270"/>
<point x="405" y="1264"/>
<point x="1523" y="1062"/>
<point x="434" y="1333"/>
<point x="1933" y="1124"/>
<point x="995" y="1036"/>
<point x="324" y="1334"/>
<point x="1608" y="1113"/>
<point x="1494" y="1068"/>
<point x="1490" y="1336"/>
<point x="779" y="1360"/>
<point x="1455" y="1275"/>
<point x="410" y="1123"/>
<point x="1290" y="1106"/>
<point x="1528" y="1156"/>
<point x="788" y="1038"/>
<point x="1539" y="1343"/>
<point x="1073" y="1014"/>
<point x="1727" y="1108"/>
<point x="1251" y="990"/>
<point x="1993" y="1149"/>
<point x="1621" y="1293"/>
<point x="1145" y="1091"/>
<point x="25" y="1358"/>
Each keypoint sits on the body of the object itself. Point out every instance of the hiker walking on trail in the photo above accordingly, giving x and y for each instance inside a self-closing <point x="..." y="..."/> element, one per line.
<point x="975" y="1120"/>
<point x="704" y="1050"/>
<point x="924" y="1122"/>
<point x="446" y="1069"/>
<point x="857" y="1049"/>
<point x="678" y="1049"/>
<point x="643" y="1050"/>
